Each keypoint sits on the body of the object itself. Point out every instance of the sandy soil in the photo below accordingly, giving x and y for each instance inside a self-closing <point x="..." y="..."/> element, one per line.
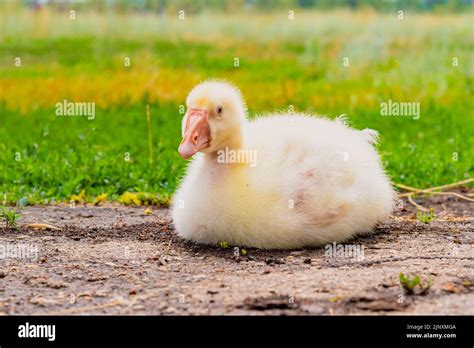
<point x="119" y="260"/>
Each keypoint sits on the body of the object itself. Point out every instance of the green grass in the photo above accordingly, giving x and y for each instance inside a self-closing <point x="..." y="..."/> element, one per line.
<point x="45" y="158"/>
<point x="62" y="156"/>
<point x="426" y="218"/>
<point x="414" y="284"/>
<point x="10" y="217"/>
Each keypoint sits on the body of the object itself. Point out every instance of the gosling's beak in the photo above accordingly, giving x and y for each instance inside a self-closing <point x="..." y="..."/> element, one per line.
<point x="197" y="134"/>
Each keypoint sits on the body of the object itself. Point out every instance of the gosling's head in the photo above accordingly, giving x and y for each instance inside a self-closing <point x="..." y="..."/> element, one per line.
<point x="213" y="120"/>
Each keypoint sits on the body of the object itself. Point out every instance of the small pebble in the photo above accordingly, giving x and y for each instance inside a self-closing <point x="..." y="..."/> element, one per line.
<point x="271" y="261"/>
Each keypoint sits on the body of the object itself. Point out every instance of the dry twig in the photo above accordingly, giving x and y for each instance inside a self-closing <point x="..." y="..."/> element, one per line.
<point x="412" y="191"/>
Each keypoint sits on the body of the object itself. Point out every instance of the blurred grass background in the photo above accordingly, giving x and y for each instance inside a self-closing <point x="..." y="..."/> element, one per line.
<point x="45" y="158"/>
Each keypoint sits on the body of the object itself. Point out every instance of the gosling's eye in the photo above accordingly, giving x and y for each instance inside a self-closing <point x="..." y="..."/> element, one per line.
<point x="219" y="110"/>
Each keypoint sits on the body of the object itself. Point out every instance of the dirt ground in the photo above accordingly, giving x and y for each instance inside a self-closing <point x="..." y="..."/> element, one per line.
<point x="121" y="260"/>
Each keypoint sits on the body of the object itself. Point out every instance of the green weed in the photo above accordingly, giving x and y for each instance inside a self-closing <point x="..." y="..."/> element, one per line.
<point x="10" y="217"/>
